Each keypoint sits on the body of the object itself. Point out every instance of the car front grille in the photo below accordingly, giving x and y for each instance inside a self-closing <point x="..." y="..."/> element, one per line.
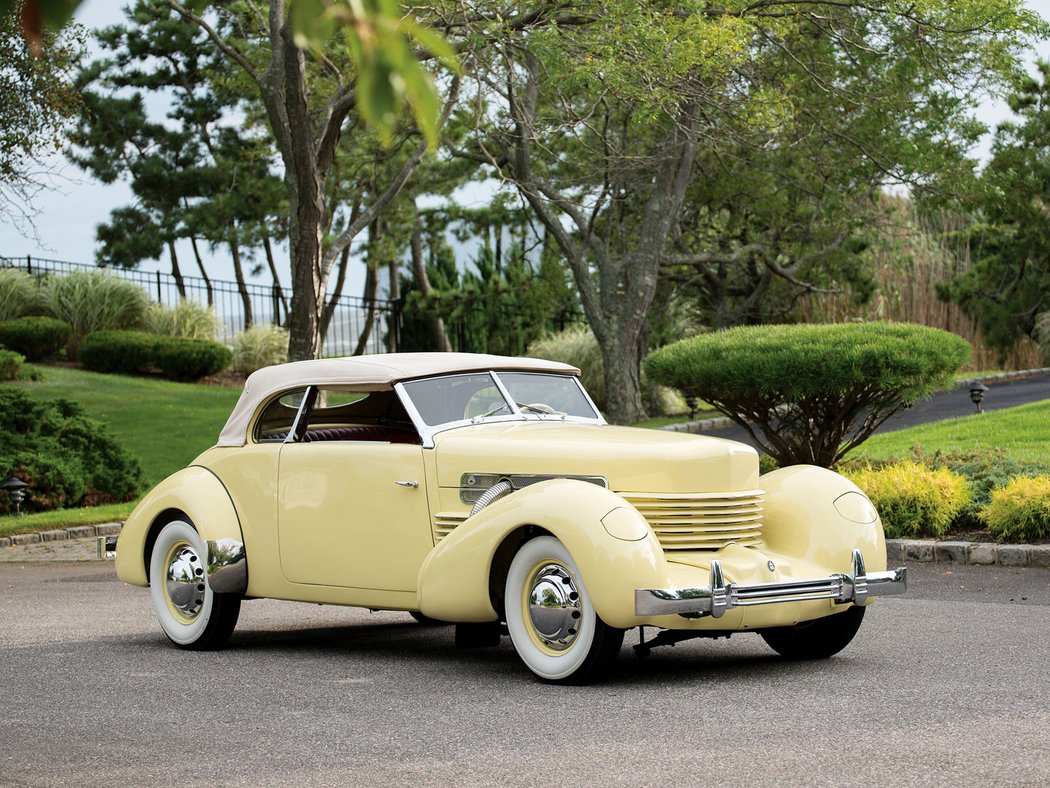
<point x="702" y="521"/>
<point x="681" y="521"/>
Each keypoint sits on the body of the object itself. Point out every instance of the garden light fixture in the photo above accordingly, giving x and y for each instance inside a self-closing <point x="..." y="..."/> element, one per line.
<point x="16" y="489"/>
<point x="977" y="390"/>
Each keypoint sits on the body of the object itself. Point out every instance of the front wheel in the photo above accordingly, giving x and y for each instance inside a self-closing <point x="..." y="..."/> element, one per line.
<point x="550" y="618"/>
<point x="190" y="613"/>
<point x="818" y="639"/>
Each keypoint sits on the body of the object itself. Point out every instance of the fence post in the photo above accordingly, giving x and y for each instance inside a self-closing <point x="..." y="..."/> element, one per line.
<point x="29" y="264"/>
<point x="160" y="299"/>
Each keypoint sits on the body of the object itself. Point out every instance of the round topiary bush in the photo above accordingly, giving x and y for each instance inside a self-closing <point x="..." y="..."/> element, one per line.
<point x="10" y="365"/>
<point x="811" y="393"/>
<point x="66" y="458"/>
<point x="1020" y="510"/>
<point x="35" y="338"/>
<point x="913" y="499"/>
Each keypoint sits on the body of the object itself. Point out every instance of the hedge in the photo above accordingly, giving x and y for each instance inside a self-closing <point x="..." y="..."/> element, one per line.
<point x="912" y="499"/>
<point x="136" y="352"/>
<point x="35" y="338"/>
<point x="811" y="393"/>
<point x="10" y="364"/>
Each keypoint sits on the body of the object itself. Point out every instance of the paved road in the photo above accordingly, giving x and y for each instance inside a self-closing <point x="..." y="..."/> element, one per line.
<point x="947" y="405"/>
<point x="945" y="686"/>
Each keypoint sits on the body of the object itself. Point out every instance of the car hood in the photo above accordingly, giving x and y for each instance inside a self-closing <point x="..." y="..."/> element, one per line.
<point x="630" y="459"/>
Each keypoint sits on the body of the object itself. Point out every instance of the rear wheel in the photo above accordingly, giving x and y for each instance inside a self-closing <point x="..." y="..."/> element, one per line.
<point x="818" y="639"/>
<point x="190" y="613"/>
<point x="552" y="623"/>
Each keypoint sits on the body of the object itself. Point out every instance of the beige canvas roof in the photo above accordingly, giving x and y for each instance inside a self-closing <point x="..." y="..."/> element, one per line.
<point x="363" y="373"/>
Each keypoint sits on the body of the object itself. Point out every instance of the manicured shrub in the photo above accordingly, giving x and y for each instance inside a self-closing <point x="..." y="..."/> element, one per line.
<point x="984" y="471"/>
<point x="1021" y="510"/>
<point x="123" y="352"/>
<point x="578" y="346"/>
<point x="19" y="294"/>
<point x="811" y="393"/>
<point x="10" y="365"/>
<point x="185" y="319"/>
<point x="260" y="346"/>
<point x="66" y="458"/>
<point x="93" y="301"/>
<point x="183" y="358"/>
<point x="35" y="338"/>
<point x="912" y="499"/>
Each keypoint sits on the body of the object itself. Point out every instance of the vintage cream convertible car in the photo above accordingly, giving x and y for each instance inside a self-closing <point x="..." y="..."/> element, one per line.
<point x="490" y="493"/>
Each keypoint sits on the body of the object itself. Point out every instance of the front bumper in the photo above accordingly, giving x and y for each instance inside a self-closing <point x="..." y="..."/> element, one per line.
<point x="716" y="599"/>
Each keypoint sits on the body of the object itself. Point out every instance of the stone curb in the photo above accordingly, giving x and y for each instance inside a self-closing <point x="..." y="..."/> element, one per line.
<point x="62" y="534"/>
<point x="972" y="553"/>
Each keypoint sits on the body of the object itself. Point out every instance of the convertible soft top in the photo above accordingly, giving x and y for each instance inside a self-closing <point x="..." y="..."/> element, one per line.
<point x="380" y="371"/>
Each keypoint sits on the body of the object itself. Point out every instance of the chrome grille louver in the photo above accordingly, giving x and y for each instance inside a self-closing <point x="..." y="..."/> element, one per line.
<point x="445" y="523"/>
<point x="702" y="521"/>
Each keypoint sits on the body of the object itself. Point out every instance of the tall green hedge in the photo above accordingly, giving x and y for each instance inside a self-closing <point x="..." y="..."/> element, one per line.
<point x="810" y="393"/>
<point x="136" y="352"/>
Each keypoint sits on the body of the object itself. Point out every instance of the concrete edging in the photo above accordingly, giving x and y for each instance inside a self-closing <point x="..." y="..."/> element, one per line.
<point x="62" y="534"/>
<point x="925" y="551"/>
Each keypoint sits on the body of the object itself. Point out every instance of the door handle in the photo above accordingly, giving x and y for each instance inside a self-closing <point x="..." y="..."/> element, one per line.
<point x="414" y="485"/>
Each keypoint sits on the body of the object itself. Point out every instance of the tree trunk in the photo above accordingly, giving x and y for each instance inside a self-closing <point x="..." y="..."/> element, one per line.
<point x="337" y="292"/>
<point x="242" y="287"/>
<point x="394" y="274"/>
<point x="204" y="273"/>
<point x="371" y="283"/>
<point x="180" y="283"/>
<point x="278" y="290"/>
<point x="438" y="335"/>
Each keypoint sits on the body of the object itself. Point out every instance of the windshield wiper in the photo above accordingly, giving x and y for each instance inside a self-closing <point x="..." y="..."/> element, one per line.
<point x="492" y="412"/>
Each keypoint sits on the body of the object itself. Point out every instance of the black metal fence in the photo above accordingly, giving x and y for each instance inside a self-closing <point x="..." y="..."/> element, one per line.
<point x="352" y="317"/>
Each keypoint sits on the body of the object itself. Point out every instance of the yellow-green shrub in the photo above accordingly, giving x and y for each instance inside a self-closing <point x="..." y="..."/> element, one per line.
<point x="912" y="499"/>
<point x="1020" y="510"/>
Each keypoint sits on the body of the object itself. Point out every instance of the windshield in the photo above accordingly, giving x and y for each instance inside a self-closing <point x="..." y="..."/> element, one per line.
<point x="480" y="396"/>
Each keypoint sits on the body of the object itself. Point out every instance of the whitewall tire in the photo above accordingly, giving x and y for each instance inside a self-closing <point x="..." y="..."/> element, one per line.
<point x="189" y="612"/>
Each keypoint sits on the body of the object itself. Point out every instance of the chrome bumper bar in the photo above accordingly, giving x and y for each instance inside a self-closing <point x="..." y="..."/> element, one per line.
<point x="716" y="599"/>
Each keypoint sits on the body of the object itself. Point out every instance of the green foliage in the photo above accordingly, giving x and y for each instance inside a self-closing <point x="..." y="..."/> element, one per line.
<point x="18" y="294"/>
<point x="136" y="352"/>
<point x="66" y="458"/>
<point x="10" y="365"/>
<point x="187" y="359"/>
<point x="35" y="338"/>
<point x="813" y="391"/>
<point x="1020" y="510"/>
<point x="93" y="301"/>
<point x="912" y="499"/>
<point x="383" y="42"/>
<point x="578" y="346"/>
<point x="164" y="424"/>
<point x="1007" y="286"/>
<point x="260" y="346"/>
<point x="123" y="352"/>
<point x="185" y="319"/>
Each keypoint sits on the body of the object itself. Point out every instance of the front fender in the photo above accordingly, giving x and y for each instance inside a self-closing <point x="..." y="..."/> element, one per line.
<point x="817" y="515"/>
<point x="454" y="580"/>
<point x="198" y="494"/>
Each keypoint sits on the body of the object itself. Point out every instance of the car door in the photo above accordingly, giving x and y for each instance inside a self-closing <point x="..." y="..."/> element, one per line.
<point x="352" y="512"/>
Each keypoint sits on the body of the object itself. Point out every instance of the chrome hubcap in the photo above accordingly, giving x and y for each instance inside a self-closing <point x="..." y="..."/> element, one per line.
<point x="184" y="581"/>
<point x="554" y="607"/>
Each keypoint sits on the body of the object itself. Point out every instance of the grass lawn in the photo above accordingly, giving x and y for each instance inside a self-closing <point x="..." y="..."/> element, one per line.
<point x="64" y="518"/>
<point x="1023" y="432"/>
<point x="163" y="424"/>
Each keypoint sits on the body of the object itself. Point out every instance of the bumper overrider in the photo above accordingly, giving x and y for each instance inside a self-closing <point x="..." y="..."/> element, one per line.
<point x="714" y="600"/>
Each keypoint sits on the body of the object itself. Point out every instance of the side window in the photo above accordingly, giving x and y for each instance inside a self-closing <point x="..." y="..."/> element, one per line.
<point x="277" y="418"/>
<point x="372" y="416"/>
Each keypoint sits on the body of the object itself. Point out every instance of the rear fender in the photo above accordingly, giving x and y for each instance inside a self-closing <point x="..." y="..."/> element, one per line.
<point x="197" y="494"/>
<point x="454" y="581"/>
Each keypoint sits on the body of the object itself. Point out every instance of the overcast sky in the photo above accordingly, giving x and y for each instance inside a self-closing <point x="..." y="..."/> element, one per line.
<point x="67" y="217"/>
